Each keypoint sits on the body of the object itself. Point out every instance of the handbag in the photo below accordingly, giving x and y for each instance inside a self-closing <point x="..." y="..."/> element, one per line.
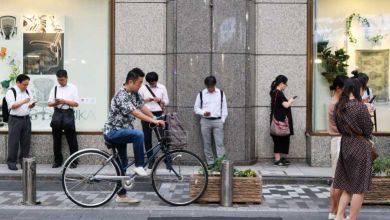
<point x="374" y="152"/>
<point x="62" y="118"/>
<point x="279" y="128"/>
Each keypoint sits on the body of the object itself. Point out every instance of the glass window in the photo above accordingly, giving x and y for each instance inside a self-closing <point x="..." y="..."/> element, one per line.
<point x="38" y="38"/>
<point x="349" y="35"/>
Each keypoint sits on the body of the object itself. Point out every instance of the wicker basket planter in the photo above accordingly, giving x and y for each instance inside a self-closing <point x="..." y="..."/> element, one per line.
<point x="380" y="191"/>
<point x="245" y="189"/>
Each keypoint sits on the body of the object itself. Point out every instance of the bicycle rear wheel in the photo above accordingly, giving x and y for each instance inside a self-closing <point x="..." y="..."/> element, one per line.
<point x="80" y="184"/>
<point x="179" y="177"/>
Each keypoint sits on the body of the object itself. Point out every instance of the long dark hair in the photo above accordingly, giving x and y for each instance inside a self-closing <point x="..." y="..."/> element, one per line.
<point x="353" y="86"/>
<point x="279" y="79"/>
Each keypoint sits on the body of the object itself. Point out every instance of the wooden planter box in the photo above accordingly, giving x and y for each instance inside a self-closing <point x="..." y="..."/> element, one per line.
<point x="380" y="191"/>
<point x="245" y="189"/>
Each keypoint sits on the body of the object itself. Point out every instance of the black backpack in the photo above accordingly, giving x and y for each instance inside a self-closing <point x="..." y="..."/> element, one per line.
<point x="4" y="106"/>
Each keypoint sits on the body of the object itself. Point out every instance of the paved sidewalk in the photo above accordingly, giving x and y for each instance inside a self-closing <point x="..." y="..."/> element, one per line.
<point x="266" y="169"/>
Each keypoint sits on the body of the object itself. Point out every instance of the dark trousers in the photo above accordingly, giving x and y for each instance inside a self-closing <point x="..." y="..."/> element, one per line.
<point x="71" y="137"/>
<point x="19" y="134"/>
<point x="148" y="137"/>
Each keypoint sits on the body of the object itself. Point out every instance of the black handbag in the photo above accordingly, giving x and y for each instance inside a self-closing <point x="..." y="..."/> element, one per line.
<point x="62" y="118"/>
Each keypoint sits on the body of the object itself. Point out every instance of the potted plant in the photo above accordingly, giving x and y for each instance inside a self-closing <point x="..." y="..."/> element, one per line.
<point x="334" y="63"/>
<point x="380" y="190"/>
<point x="247" y="185"/>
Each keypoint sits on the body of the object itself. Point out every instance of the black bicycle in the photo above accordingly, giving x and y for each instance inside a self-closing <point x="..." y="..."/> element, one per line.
<point x="179" y="177"/>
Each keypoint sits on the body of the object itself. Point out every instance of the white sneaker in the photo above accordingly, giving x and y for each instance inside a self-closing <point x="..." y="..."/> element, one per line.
<point x="126" y="200"/>
<point x="149" y="171"/>
<point x="347" y="218"/>
<point x="331" y="216"/>
<point x="140" y="171"/>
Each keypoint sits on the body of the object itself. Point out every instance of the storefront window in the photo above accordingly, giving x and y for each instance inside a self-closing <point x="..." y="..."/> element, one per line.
<point x="349" y="35"/>
<point x="40" y="37"/>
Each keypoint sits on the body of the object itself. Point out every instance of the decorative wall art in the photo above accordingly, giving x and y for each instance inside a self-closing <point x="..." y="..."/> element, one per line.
<point x="8" y="27"/>
<point x="43" y="44"/>
<point x="375" y="63"/>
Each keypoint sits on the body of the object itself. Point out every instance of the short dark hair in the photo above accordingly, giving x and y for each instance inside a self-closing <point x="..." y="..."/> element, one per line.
<point x="134" y="74"/>
<point x="338" y="82"/>
<point x="62" y="73"/>
<point x="151" y="77"/>
<point x="20" y="78"/>
<point x="210" y="81"/>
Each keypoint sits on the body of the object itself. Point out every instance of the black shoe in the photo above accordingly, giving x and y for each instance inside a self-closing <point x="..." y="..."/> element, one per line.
<point x="12" y="167"/>
<point x="279" y="163"/>
<point x="56" y="165"/>
<point x="73" y="166"/>
<point x="285" y="161"/>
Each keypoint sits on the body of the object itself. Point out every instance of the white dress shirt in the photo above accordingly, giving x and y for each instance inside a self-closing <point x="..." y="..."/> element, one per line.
<point x="22" y="110"/>
<point x="68" y="92"/>
<point x="212" y="104"/>
<point x="160" y="91"/>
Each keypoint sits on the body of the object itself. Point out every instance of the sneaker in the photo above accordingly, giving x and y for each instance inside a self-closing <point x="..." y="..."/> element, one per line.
<point x="126" y="200"/>
<point x="331" y="216"/>
<point x="279" y="163"/>
<point x="149" y="171"/>
<point x="347" y="218"/>
<point x="285" y="161"/>
<point x="140" y="171"/>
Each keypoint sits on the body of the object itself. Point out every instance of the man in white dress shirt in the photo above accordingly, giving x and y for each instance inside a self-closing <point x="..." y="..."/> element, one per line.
<point x="64" y="97"/>
<point x="211" y="105"/>
<point x="155" y="96"/>
<point x="19" y="102"/>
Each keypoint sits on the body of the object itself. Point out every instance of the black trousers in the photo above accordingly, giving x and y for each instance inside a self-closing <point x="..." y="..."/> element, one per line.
<point x="19" y="136"/>
<point x="71" y="137"/>
<point x="148" y="137"/>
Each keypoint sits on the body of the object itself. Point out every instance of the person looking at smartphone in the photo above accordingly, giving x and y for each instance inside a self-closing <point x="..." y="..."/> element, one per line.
<point x="211" y="106"/>
<point x="64" y="98"/>
<point x="281" y="112"/>
<point x="19" y="124"/>
<point x="155" y="96"/>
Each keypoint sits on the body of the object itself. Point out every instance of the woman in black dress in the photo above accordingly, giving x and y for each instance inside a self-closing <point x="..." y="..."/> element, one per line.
<point x="280" y="109"/>
<point x="354" y="166"/>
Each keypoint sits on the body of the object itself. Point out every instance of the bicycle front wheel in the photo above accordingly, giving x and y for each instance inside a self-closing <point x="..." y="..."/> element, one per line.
<point x="179" y="177"/>
<point x="82" y="185"/>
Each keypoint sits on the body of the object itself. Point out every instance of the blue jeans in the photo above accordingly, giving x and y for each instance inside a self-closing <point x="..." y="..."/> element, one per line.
<point x="120" y="139"/>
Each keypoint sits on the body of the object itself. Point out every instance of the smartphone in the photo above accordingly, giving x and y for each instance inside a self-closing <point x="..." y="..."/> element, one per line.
<point x="295" y="97"/>
<point x="373" y="99"/>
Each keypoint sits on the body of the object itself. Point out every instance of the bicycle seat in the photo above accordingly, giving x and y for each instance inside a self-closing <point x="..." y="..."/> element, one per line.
<point x="108" y="144"/>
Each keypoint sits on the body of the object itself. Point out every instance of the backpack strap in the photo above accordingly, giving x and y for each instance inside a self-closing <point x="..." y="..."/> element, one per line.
<point x="221" y="101"/>
<point x="55" y="92"/>
<point x="14" y="91"/>
<point x="201" y="99"/>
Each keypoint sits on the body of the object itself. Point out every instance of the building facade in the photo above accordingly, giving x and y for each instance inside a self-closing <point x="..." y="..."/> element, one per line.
<point x="244" y="43"/>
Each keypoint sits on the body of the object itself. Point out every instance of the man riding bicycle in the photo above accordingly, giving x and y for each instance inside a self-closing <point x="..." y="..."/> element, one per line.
<point x="127" y="105"/>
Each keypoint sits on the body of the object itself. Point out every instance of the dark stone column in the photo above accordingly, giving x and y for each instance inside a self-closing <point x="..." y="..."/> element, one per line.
<point x="214" y="37"/>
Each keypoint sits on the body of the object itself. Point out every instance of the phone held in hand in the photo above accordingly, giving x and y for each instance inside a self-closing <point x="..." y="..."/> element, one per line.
<point x="373" y="99"/>
<point x="295" y="97"/>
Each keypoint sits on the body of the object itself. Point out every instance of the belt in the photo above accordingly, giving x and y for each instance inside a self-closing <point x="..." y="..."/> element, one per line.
<point x="213" y="118"/>
<point x="17" y="116"/>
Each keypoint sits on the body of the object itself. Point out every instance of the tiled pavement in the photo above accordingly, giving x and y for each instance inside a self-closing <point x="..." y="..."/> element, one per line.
<point x="303" y="197"/>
